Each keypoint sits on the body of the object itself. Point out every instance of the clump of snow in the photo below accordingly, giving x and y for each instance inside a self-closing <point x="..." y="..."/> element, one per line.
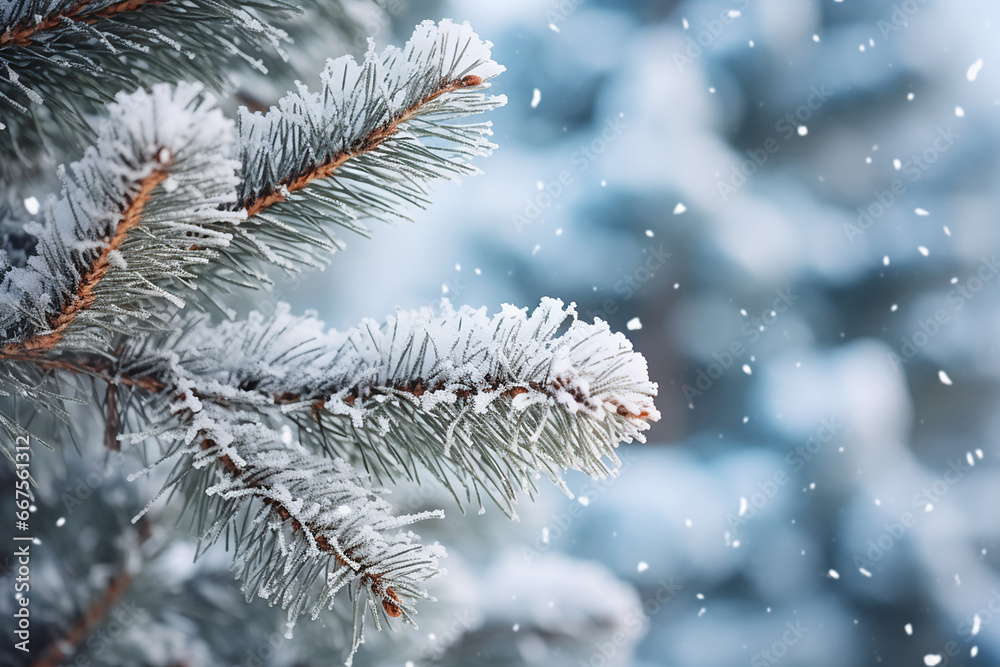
<point x="974" y="69"/>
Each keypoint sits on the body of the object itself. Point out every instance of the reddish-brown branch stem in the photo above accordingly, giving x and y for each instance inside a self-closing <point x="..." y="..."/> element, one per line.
<point x="63" y="648"/>
<point x="95" y="614"/>
<point x="86" y="290"/>
<point x="418" y="388"/>
<point x="389" y="599"/>
<point x="25" y="35"/>
<point x="34" y="349"/>
<point x="369" y="143"/>
<point x="92" y="365"/>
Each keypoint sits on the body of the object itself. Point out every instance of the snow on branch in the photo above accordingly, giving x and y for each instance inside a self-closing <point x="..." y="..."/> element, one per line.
<point x="157" y="199"/>
<point x="367" y="143"/>
<point x="138" y="212"/>
<point x="472" y="398"/>
<point x="23" y="22"/>
<point x="61" y="60"/>
<point x="304" y="527"/>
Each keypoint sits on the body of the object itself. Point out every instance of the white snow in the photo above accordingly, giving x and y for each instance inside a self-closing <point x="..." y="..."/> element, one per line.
<point x="974" y="70"/>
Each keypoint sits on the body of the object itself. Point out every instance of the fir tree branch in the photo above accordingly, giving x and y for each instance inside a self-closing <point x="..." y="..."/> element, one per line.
<point x="303" y="527"/>
<point x="64" y="647"/>
<point x="98" y="367"/>
<point x="138" y="216"/>
<point x="62" y="60"/>
<point x="80" y="12"/>
<point x="478" y="402"/>
<point x="313" y="531"/>
<point x="110" y="249"/>
<point x="365" y="145"/>
<point x="85" y="292"/>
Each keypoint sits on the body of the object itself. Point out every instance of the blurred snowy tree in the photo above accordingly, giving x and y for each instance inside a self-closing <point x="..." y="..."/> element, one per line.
<point x="260" y="424"/>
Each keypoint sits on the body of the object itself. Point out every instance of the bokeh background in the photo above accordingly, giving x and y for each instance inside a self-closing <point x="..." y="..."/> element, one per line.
<point x="855" y="427"/>
<point x="791" y="208"/>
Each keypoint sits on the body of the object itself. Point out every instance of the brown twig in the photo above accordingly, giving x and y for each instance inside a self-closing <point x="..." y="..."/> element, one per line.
<point x="389" y="598"/>
<point x="29" y="351"/>
<point x="65" y="646"/>
<point x="86" y="290"/>
<point x="95" y="614"/>
<point x="113" y="419"/>
<point x="370" y="142"/>
<point x="24" y="35"/>
<point x="87" y="364"/>
<point x="418" y="388"/>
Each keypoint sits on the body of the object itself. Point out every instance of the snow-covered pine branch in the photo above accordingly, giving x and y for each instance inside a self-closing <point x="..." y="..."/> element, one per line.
<point x="155" y="209"/>
<point x="138" y="215"/>
<point x="175" y="204"/>
<point x="304" y="527"/>
<point x="478" y="401"/>
<point x="147" y="204"/>
<point x="62" y="60"/>
<point x="367" y="143"/>
<point x="138" y="212"/>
